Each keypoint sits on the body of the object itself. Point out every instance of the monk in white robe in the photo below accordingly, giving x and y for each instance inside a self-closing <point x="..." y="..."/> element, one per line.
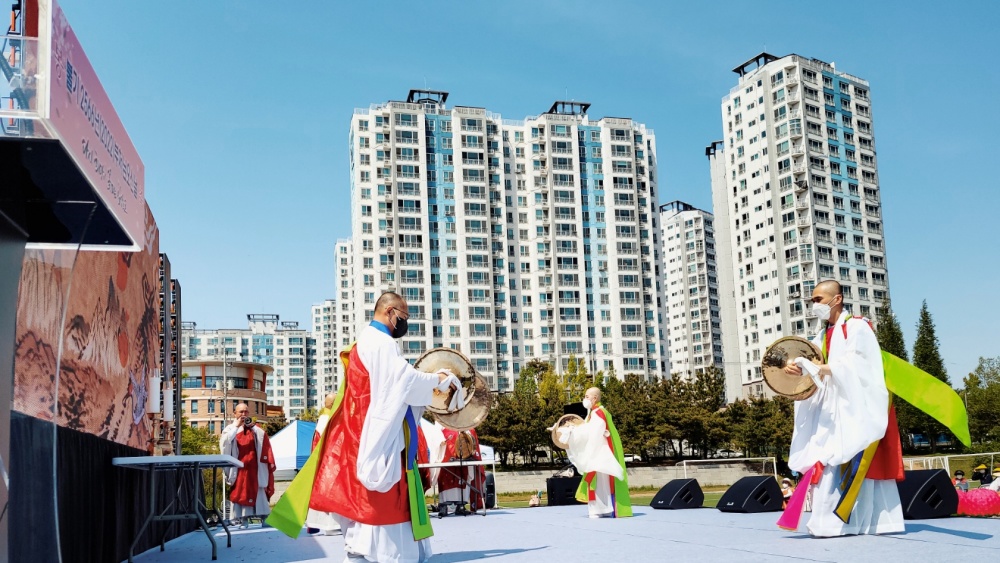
<point x="360" y="478"/>
<point x="322" y="522"/>
<point x="849" y="411"/>
<point x="595" y="449"/>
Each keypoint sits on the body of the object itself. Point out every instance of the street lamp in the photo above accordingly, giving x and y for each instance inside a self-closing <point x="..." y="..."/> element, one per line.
<point x="224" y="387"/>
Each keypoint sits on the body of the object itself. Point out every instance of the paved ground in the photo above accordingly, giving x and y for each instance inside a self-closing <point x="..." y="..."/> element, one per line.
<point x="564" y="533"/>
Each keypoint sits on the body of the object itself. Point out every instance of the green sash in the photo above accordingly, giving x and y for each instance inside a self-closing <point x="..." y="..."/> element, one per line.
<point x="289" y="513"/>
<point x="622" y="500"/>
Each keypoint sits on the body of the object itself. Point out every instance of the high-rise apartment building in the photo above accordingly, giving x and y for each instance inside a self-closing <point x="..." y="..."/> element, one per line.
<point x="347" y="310"/>
<point x="510" y="240"/>
<point x="297" y="382"/>
<point x="691" y="289"/>
<point x="796" y="199"/>
<point x="324" y="327"/>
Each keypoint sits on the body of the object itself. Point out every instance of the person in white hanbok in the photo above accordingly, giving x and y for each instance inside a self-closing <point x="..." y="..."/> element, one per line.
<point x="360" y="479"/>
<point x="848" y="412"/>
<point x="594" y="447"/>
<point x="316" y="521"/>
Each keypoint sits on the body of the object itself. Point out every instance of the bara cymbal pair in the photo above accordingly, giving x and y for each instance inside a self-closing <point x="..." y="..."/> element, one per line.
<point x="478" y="399"/>
<point x="795" y="387"/>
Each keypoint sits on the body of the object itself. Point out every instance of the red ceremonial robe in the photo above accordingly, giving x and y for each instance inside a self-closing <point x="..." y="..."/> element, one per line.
<point x="450" y="478"/>
<point x="423" y="456"/>
<point x="244" y="490"/>
<point x="336" y="487"/>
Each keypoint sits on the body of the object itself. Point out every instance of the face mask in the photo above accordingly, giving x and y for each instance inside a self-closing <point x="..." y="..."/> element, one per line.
<point x="587" y="404"/>
<point x="401" y="328"/>
<point x="821" y="310"/>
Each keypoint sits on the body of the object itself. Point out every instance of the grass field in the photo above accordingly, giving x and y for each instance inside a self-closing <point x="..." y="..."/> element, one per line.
<point x="641" y="496"/>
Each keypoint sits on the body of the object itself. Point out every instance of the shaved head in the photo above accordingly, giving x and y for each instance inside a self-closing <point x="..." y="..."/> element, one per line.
<point x="827" y="292"/>
<point x="594" y="394"/>
<point x="830" y="288"/>
<point x="389" y="300"/>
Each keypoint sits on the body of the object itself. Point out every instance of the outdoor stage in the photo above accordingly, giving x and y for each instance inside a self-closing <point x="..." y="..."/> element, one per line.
<point x="564" y="533"/>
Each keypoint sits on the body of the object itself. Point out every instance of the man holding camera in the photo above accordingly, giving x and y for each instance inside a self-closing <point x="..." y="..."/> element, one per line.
<point x="253" y="484"/>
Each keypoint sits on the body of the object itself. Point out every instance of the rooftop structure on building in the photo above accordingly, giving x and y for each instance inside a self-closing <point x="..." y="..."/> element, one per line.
<point x="509" y="239"/>
<point x="299" y="381"/>
<point x="691" y="289"/>
<point x="797" y="200"/>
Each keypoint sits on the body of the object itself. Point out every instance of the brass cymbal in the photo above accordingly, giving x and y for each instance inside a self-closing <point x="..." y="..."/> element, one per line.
<point x="795" y="387"/>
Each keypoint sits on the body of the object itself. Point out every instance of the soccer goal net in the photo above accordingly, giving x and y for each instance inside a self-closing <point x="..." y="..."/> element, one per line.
<point x="723" y="472"/>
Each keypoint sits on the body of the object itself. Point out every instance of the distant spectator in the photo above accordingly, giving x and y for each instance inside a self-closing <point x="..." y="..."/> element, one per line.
<point x="982" y="474"/>
<point x="787" y="490"/>
<point x="995" y="484"/>
<point x="959" y="481"/>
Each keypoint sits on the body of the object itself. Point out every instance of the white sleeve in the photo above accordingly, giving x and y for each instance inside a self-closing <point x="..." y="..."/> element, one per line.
<point x="395" y="387"/>
<point x="851" y="412"/>
<point x="588" y="449"/>
<point x="226" y="439"/>
<point x="225" y="448"/>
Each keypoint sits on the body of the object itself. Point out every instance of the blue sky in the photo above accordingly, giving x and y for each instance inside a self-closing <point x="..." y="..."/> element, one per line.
<point x="240" y="112"/>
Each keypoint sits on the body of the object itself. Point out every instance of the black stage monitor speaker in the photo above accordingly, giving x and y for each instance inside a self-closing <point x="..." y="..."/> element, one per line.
<point x="575" y="408"/>
<point x="562" y="490"/>
<point x="491" y="490"/>
<point x="679" y="493"/>
<point x="927" y="493"/>
<point x="757" y="493"/>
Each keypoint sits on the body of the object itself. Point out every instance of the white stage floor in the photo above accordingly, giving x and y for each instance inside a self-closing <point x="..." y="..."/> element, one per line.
<point x="564" y="533"/>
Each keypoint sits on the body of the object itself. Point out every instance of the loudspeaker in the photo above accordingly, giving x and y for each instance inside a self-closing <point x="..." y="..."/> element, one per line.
<point x="491" y="490"/>
<point x="679" y="493"/>
<point x="757" y="493"/>
<point x="927" y="493"/>
<point x="562" y="490"/>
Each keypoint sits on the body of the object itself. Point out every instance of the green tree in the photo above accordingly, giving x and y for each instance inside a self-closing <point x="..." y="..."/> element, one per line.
<point x="309" y="415"/>
<point x="552" y="397"/>
<point x="197" y="441"/>
<point x="926" y="357"/>
<point x="576" y="379"/>
<point x="496" y="431"/>
<point x="630" y="403"/>
<point x="889" y="333"/>
<point x="982" y="396"/>
<point x="890" y="338"/>
<point x="761" y="427"/>
<point x="274" y="425"/>
<point x="925" y="349"/>
<point x="527" y="428"/>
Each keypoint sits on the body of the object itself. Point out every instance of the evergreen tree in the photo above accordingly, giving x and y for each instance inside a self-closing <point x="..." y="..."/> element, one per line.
<point x="982" y="397"/>
<point x="889" y="333"/>
<point x="925" y="349"/>
<point x="926" y="357"/>
<point x="497" y="431"/>
<point x="309" y="415"/>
